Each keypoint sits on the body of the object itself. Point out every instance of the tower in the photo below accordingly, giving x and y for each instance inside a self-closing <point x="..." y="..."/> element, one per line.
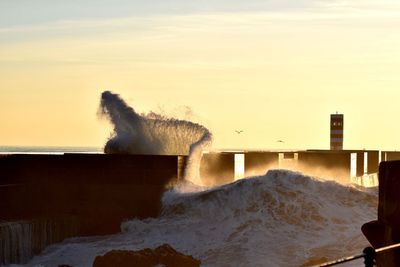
<point x="336" y="131"/>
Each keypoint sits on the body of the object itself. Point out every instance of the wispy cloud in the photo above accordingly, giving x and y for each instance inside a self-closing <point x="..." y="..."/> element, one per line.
<point x="14" y="14"/>
<point x="204" y="37"/>
<point x="319" y="11"/>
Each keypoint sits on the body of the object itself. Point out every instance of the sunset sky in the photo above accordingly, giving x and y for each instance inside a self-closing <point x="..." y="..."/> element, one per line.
<point x="275" y="69"/>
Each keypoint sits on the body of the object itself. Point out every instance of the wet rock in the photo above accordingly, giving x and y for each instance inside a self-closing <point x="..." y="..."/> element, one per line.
<point x="163" y="255"/>
<point x="314" y="261"/>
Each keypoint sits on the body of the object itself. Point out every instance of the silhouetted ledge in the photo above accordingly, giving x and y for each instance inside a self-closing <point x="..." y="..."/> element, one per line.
<point x="163" y="255"/>
<point x="386" y="230"/>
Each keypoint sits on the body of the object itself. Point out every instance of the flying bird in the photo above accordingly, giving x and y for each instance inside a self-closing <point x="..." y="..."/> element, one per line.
<point x="239" y="131"/>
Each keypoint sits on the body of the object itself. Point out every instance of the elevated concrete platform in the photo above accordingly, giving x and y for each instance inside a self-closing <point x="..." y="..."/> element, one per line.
<point x="341" y="165"/>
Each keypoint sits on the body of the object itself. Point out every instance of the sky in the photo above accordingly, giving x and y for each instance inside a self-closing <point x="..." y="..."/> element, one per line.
<point x="274" y="69"/>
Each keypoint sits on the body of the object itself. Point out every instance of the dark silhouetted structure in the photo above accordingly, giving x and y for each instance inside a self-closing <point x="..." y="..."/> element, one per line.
<point x="93" y="192"/>
<point x="386" y="230"/>
<point x="99" y="189"/>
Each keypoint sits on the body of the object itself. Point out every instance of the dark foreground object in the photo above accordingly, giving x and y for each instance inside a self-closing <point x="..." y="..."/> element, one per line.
<point x="386" y="230"/>
<point x="163" y="255"/>
<point x="94" y="191"/>
<point x="99" y="189"/>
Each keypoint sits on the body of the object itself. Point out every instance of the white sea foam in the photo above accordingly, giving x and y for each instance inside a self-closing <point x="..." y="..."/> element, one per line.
<point x="150" y="133"/>
<point x="280" y="219"/>
<point x="154" y="134"/>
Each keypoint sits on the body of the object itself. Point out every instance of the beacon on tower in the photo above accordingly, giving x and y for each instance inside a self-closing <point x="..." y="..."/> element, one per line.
<point x="336" y="131"/>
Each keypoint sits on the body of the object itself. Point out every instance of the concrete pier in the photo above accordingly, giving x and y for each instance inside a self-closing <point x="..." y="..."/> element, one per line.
<point x="341" y="165"/>
<point x="98" y="190"/>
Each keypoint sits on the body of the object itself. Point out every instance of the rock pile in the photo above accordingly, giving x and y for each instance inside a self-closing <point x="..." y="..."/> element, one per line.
<point x="163" y="255"/>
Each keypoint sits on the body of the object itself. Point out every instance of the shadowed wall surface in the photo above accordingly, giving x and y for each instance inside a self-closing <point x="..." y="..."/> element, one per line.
<point x="390" y="155"/>
<point x="217" y="168"/>
<point x="47" y="198"/>
<point x="336" y="164"/>
<point x="99" y="189"/>
<point x="373" y="161"/>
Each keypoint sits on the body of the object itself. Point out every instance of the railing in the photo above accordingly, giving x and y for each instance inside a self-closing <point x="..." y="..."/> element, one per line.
<point x="369" y="255"/>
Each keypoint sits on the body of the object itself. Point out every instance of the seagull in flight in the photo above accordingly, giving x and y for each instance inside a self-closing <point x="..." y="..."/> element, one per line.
<point x="239" y="131"/>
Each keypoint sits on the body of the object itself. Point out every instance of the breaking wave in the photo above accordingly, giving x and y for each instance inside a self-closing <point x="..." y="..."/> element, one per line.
<point x="282" y="218"/>
<point x="154" y="134"/>
<point x="148" y="133"/>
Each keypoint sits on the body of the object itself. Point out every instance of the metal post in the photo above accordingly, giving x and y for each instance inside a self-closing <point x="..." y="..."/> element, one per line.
<point x="369" y="257"/>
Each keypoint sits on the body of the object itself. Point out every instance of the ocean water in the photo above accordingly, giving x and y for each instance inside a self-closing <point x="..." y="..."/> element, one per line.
<point x="282" y="218"/>
<point x="48" y="149"/>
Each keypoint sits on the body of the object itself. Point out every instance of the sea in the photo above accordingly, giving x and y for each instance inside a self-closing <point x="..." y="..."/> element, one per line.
<point x="280" y="218"/>
<point x="48" y="149"/>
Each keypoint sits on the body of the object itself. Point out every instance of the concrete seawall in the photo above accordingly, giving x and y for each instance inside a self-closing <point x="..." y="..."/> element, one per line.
<point x="98" y="190"/>
<point x="342" y="165"/>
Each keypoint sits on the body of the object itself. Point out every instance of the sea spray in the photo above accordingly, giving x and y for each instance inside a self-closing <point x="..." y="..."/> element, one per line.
<point x="155" y="134"/>
<point x="192" y="170"/>
<point x="282" y="218"/>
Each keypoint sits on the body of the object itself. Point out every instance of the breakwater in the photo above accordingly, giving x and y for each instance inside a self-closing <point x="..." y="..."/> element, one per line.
<point x="341" y="165"/>
<point x="98" y="191"/>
